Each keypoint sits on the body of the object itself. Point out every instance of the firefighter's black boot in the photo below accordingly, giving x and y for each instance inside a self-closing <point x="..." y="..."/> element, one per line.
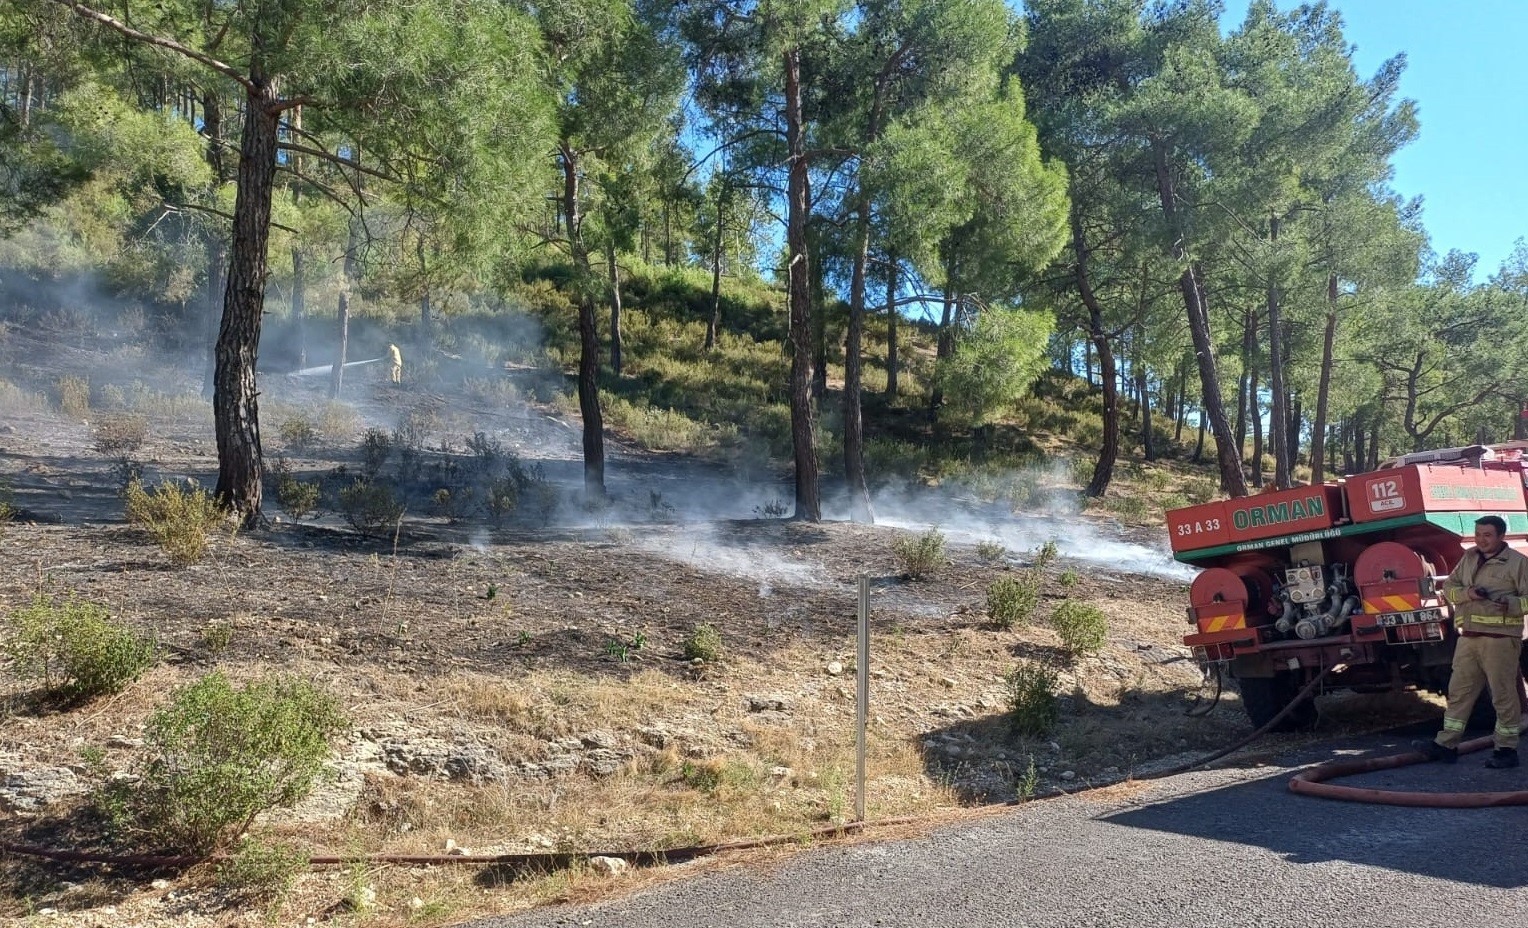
<point x="1435" y="751"/>
<point x="1503" y="759"/>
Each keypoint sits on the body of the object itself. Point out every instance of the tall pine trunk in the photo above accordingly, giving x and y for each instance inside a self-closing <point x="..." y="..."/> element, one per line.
<point x="716" y="270"/>
<point x="854" y="449"/>
<point x="1108" y="454"/>
<point x="893" y="363"/>
<point x="342" y="312"/>
<point x="1278" y="419"/>
<point x="299" y="306"/>
<point x="588" y="332"/>
<point x="235" y="406"/>
<point x="1323" y="388"/>
<point x="1191" y="284"/>
<point x="799" y="289"/>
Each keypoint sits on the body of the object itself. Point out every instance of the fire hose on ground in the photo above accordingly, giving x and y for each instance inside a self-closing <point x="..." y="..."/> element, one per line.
<point x="1312" y="782"/>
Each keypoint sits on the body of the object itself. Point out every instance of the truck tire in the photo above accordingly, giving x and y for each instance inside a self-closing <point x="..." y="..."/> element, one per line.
<point x="1266" y="697"/>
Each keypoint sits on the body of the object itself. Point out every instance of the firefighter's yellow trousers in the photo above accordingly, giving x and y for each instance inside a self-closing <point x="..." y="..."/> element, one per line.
<point x="1479" y="662"/>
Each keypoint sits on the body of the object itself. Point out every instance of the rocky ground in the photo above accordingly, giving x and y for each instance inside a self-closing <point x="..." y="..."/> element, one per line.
<point x="522" y="686"/>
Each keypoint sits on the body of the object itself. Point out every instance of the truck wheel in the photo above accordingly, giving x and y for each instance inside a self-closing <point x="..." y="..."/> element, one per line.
<point x="1266" y="697"/>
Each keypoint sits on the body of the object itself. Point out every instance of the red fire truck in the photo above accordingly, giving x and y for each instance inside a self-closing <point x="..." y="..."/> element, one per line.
<point x="1347" y="575"/>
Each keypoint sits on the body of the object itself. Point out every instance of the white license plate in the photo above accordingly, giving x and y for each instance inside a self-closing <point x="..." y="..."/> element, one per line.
<point x="1413" y="617"/>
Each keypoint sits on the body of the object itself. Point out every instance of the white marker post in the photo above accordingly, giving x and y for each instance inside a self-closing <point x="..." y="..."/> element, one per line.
<point x="862" y="700"/>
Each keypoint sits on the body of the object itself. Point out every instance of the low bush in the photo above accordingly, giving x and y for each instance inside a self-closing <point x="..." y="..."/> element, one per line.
<point x="298" y="432"/>
<point x="1011" y="600"/>
<point x="991" y="551"/>
<point x="1044" y="554"/>
<point x="73" y="396"/>
<point x="500" y="498"/>
<point x="257" y="871"/>
<point x="920" y="555"/>
<point x="1032" y="704"/>
<point x="704" y="644"/>
<point x="220" y="755"/>
<point x="178" y="516"/>
<point x="75" y="648"/>
<point x="297" y="498"/>
<point x="376" y="448"/>
<point x="1084" y="629"/>
<point x="121" y="435"/>
<point x="371" y="507"/>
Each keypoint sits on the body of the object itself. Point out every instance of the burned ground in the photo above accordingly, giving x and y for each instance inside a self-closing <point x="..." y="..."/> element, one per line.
<point x="523" y="685"/>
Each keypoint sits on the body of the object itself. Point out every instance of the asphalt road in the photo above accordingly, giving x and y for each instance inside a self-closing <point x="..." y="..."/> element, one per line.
<point x="1227" y="847"/>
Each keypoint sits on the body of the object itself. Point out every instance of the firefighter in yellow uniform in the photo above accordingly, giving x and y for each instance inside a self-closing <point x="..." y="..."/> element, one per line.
<point x="395" y="357"/>
<point x="1488" y="590"/>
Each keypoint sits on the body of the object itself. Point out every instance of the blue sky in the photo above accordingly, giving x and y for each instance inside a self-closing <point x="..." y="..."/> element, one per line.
<point x="1467" y="69"/>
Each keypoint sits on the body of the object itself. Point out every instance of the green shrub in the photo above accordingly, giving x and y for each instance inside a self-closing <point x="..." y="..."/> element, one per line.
<point x="1045" y="554"/>
<point x="296" y="497"/>
<point x="298" y="432"/>
<point x="1084" y="629"/>
<point x="991" y="551"/>
<point x="1032" y="704"/>
<point x="73" y="396"/>
<point x="376" y="447"/>
<point x="713" y="774"/>
<point x="371" y="508"/>
<point x="704" y="644"/>
<point x="178" y="516"/>
<point x="1070" y="579"/>
<point x="221" y="755"/>
<point x="7" y="506"/>
<point x="920" y="555"/>
<point x="217" y="635"/>
<point x="261" y="872"/>
<point x="501" y="498"/>
<point x="75" y="648"/>
<point x="1011" y="600"/>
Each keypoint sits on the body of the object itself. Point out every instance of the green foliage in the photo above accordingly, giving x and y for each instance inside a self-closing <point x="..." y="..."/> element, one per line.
<point x="1032" y="704"/>
<point x="500" y="498"/>
<point x="376" y="448"/>
<point x="920" y="555"/>
<point x="298" y="498"/>
<point x="73" y="396"/>
<point x="715" y="774"/>
<point x="217" y="635"/>
<point x="995" y="362"/>
<point x="180" y="517"/>
<point x="1083" y="627"/>
<point x="75" y="647"/>
<point x="1011" y="600"/>
<point x="1045" y="554"/>
<point x="371" y="507"/>
<point x="1028" y="782"/>
<point x="991" y="551"/>
<point x="221" y="755"/>
<point x="1069" y="579"/>
<point x="298" y="432"/>
<point x="704" y="643"/>
<point x="259" y="871"/>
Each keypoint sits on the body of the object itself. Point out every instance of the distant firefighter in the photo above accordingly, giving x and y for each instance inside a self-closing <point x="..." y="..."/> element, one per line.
<point x="396" y="357"/>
